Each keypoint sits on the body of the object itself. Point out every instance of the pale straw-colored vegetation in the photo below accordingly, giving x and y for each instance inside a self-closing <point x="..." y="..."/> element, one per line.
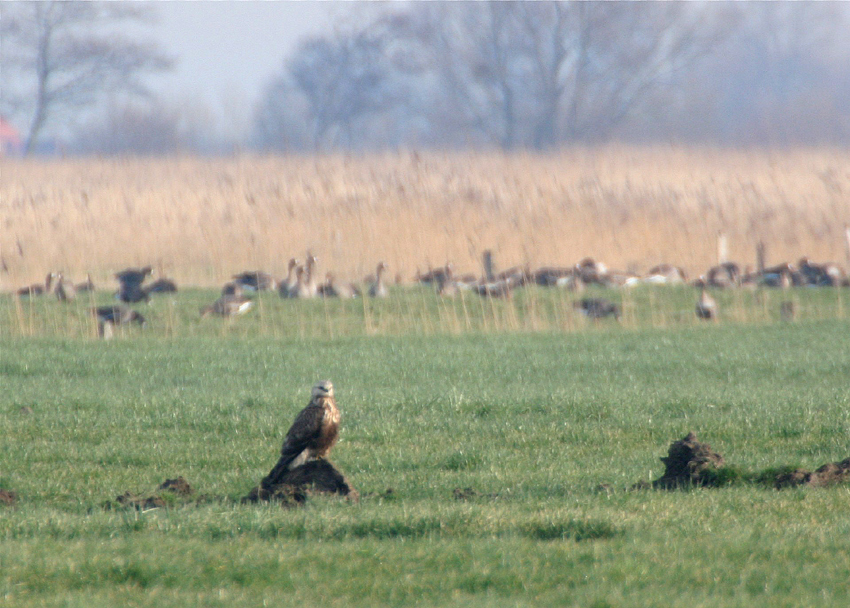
<point x="200" y="220"/>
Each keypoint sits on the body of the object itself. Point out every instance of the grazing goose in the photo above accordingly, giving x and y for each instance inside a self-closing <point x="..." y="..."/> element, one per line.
<point x="727" y="274"/>
<point x="706" y="307"/>
<point x="549" y="276"/>
<point x="110" y="316"/>
<point x="830" y="275"/>
<point x="592" y="271"/>
<point x="118" y="315"/>
<point x="162" y="286"/>
<point x="434" y="275"/>
<point x="598" y="308"/>
<point x="780" y="275"/>
<point x="130" y="280"/>
<point x="132" y="292"/>
<point x="231" y="289"/>
<point x="310" y="282"/>
<point x="254" y="280"/>
<point x="87" y="285"/>
<point x="332" y="289"/>
<point x="378" y="289"/>
<point x="64" y="290"/>
<point x="286" y="286"/>
<point x="666" y="274"/>
<point x="301" y="289"/>
<point x="573" y="283"/>
<point x="38" y="289"/>
<point x="228" y="306"/>
<point x="135" y="276"/>
<point x="446" y="286"/>
<point x="497" y="289"/>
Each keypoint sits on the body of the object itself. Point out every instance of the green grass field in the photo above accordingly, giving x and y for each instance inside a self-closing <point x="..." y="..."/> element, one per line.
<point x="523" y="402"/>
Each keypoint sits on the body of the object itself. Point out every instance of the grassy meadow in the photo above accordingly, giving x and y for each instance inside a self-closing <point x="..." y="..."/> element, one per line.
<point x="494" y="443"/>
<point x="480" y="452"/>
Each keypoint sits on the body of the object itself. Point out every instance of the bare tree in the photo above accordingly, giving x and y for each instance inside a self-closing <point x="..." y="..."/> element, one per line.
<point x="540" y="73"/>
<point x="61" y="56"/>
<point x="343" y="80"/>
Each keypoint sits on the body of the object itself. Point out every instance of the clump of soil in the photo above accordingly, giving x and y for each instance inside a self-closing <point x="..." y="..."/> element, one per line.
<point x="292" y="487"/>
<point x="288" y="496"/>
<point x="470" y="493"/>
<point x="827" y="475"/>
<point x="178" y="486"/>
<point x="8" y="497"/>
<point x="689" y="463"/>
<point x="140" y="503"/>
<point x="464" y="494"/>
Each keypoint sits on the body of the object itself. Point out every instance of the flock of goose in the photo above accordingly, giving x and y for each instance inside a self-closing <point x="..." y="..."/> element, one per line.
<point x="301" y="283"/>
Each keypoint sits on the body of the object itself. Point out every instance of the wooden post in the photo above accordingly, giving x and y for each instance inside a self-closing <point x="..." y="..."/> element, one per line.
<point x="847" y="241"/>
<point x="722" y="248"/>
<point x="488" y="266"/>
<point x="760" y="257"/>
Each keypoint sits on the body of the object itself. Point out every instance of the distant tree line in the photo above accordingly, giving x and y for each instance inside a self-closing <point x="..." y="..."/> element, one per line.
<point x="59" y="57"/>
<point x="507" y="75"/>
<point x="537" y="75"/>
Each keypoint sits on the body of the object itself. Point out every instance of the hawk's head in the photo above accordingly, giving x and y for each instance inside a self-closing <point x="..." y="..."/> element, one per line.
<point x="325" y="388"/>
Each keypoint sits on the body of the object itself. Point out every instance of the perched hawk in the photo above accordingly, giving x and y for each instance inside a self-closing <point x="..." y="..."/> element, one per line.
<point x="314" y="431"/>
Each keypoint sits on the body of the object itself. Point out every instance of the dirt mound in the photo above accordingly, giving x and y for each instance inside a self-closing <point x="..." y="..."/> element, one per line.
<point x="293" y="487"/>
<point x="140" y="503"/>
<point x="178" y="486"/>
<point x="8" y="497"/>
<point x="464" y="493"/>
<point x="471" y="493"/>
<point x="827" y="475"/>
<point x="689" y="463"/>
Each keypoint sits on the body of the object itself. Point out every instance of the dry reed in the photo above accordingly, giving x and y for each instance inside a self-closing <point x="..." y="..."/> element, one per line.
<point x="199" y="221"/>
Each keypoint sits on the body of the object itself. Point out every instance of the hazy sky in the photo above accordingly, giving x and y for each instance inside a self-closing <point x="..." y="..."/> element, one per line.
<point x="226" y="51"/>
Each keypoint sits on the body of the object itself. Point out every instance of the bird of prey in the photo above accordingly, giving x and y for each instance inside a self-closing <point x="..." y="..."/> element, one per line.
<point x="313" y="433"/>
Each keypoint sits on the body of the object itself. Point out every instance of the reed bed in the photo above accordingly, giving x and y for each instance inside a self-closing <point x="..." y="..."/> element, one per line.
<point x="200" y="220"/>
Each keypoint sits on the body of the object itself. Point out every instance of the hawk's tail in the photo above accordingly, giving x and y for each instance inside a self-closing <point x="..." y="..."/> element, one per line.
<point x="279" y="470"/>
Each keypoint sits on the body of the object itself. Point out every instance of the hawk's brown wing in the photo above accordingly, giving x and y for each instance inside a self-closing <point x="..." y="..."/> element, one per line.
<point x="305" y="429"/>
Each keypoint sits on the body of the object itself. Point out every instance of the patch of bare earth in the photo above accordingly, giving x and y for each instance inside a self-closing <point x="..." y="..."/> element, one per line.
<point x="293" y="487"/>
<point x="8" y="497"/>
<point x="178" y="486"/>
<point x="828" y="475"/>
<point x="691" y="463"/>
<point x="688" y="463"/>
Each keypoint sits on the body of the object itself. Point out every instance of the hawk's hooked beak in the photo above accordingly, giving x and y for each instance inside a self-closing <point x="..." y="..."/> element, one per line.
<point x="323" y="389"/>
